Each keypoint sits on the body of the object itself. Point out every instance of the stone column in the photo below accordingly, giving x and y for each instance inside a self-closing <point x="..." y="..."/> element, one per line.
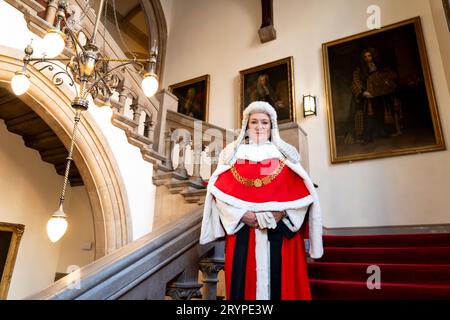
<point x="294" y="134"/>
<point x="148" y="127"/>
<point x="181" y="169"/>
<point x="50" y="14"/>
<point x="122" y="99"/>
<point x="135" y="107"/>
<point x="168" y="150"/>
<point x="213" y="156"/>
<point x="197" y="157"/>
<point x="210" y="268"/>
<point x="167" y="101"/>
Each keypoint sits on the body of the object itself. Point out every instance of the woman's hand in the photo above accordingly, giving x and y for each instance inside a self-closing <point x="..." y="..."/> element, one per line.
<point x="249" y="218"/>
<point x="278" y="215"/>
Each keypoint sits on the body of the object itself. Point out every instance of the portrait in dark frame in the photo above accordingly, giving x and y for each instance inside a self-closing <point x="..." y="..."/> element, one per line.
<point x="193" y="97"/>
<point x="271" y="82"/>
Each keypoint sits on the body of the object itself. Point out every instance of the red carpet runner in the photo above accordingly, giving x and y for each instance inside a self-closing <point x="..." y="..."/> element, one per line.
<point x="413" y="266"/>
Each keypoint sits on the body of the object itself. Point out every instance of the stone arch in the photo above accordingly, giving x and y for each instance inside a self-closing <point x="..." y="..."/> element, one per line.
<point x="94" y="159"/>
<point x="157" y="29"/>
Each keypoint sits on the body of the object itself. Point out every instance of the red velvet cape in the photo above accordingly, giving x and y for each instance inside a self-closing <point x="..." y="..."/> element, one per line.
<point x="287" y="186"/>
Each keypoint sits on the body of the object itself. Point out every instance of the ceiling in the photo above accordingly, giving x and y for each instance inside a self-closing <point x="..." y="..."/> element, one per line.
<point x="22" y="120"/>
<point x="133" y="26"/>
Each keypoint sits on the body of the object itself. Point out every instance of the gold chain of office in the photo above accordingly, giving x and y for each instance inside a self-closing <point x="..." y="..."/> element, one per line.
<point x="258" y="182"/>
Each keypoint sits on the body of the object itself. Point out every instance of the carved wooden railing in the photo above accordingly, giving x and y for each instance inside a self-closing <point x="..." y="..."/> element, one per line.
<point x="164" y="263"/>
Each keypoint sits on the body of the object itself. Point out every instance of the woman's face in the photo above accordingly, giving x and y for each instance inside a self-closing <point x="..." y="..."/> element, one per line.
<point x="259" y="127"/>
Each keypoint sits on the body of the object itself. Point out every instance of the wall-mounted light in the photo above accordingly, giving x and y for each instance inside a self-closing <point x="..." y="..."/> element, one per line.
<point x="309" y="105"/>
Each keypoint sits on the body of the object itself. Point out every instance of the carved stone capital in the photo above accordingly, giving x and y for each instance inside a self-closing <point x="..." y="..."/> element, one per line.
<point x="210" y="266"/>
<point x="183" y="291"/>
<point x="267" y="34"/>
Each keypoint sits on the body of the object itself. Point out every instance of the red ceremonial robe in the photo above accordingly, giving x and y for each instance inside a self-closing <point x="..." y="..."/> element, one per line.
<point x="288" y="262"/>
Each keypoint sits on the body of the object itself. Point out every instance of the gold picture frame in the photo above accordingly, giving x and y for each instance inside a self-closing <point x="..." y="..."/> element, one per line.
<point x="10" y="236"/>
<point x="446" y="4"/>
<point x="380" y="96"/>
<point x="272" y="82"/>
<point x="193" y="97"/>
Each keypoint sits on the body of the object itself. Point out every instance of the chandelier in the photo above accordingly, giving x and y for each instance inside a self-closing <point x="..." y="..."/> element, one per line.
<point x="88" y="70"/>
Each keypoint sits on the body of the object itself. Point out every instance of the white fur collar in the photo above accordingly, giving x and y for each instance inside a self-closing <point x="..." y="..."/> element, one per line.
<point x="258" y="152"/>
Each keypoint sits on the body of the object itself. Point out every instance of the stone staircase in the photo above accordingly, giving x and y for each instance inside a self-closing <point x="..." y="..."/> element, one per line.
<point x="166" y="261"/>
<point x="163" y="264"/>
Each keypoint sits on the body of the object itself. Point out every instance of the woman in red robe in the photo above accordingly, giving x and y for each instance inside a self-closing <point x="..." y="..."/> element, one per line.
<point x="258" y="198"/>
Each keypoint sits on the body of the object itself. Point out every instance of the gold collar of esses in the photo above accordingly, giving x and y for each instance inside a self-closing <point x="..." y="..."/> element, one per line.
<point x="258" y="182"/>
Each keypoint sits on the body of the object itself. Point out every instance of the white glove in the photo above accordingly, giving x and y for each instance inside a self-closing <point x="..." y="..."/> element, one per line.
<point x="261" y="221"/>
<point x="266" y="220"/>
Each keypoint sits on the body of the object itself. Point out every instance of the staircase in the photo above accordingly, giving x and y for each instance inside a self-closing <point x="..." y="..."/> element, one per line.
<point x="167" y="261"/>
<point x="163" y="264"/>
<point x="412" y="266"/>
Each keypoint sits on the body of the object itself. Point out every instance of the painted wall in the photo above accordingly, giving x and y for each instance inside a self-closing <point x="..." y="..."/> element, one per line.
<point x="167" y="6"/>
<point x="29" y="192"/>
<point x="136" y="173"/>
<point x="220" y="38"/>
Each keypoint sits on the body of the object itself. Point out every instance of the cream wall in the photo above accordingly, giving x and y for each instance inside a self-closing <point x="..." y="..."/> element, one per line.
<point x="29" y="192"/>
<point x="135" y="172"/>
<point x="167" y="6"/>
<point x="220" y="38"/>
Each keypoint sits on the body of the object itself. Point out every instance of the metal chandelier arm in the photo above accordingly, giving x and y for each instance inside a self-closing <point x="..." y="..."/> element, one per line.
<point x="109" y="72"/>
<point x="76" y="44"/>
<point x="50" y="64"/>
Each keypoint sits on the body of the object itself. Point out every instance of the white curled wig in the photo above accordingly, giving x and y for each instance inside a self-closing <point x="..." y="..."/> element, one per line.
<point x="260" y="107"/>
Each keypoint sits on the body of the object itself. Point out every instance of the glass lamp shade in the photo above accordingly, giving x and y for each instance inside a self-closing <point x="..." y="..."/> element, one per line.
<point x="54" y="43"/>
<point x="149" y="84"/>
<point x="20" y="83"/>
<point x="57" y="225"/>
<point x="309" y="105"/>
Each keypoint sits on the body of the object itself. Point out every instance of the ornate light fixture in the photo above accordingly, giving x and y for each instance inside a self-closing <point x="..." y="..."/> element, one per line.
<point x="309" y="106"/>
<point x="88" y="68"/>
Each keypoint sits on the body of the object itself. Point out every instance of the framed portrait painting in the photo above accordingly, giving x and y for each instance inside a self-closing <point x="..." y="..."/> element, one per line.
<point x="10" y="236"/>
<point x="193" y="97"/>
<point x="271" y="82"/>
<point x="380" y="95"/>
